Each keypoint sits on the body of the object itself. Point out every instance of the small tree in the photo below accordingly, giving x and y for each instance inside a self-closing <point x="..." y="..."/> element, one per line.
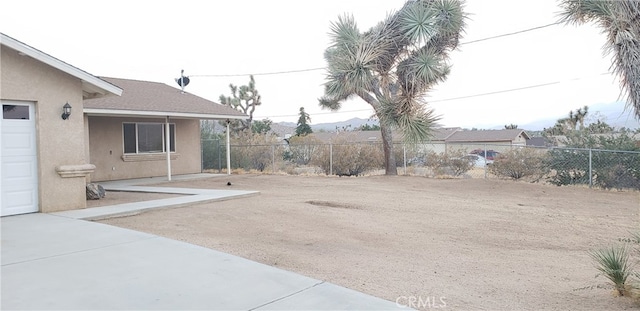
<point x="367" y="127"/>
<point x="511" y="126"/>
<point x="261" y="127"/>
<point x="303" y="127"/>
<point x="244" y="99"/>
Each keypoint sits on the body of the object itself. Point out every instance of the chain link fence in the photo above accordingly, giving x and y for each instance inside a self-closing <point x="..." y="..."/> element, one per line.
<point x="609" y="169"/>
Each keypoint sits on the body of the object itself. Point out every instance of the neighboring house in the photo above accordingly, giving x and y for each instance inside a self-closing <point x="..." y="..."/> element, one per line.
<point x="47" y="156"/>
<point x="539" y="142"/>
<point x="489" y="139"/>
<point x="127" y="134"/>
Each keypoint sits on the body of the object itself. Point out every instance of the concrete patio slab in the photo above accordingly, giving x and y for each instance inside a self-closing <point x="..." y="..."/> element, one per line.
<point x="191" y="196"/>
<point x="51" y="262"/>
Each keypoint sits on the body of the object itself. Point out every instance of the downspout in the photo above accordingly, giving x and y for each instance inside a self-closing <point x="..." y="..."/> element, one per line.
<point x="167" y="139"/>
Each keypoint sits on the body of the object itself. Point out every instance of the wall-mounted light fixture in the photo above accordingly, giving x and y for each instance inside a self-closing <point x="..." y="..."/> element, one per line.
<point x="66" y="111"/>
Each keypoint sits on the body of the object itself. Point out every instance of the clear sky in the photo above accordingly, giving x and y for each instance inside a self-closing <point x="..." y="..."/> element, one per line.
<point x="154" y="40"/>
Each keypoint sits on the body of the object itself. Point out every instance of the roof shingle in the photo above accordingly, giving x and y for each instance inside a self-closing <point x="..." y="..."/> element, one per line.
<point x="146" y="96"/>
<point x="486" y="135"/>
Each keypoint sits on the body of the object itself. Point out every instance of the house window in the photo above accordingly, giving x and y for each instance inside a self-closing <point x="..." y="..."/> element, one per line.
<point x="147" y="137"/>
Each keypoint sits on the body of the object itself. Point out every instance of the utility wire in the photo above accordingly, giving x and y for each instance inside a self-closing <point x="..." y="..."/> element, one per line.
<point x="454" y="98"/>
<point x="260" y="73"/>
<point x="321" y="68"/>
<point x="511" y="33"/>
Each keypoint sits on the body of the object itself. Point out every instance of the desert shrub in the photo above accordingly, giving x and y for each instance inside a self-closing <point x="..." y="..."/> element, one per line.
<point x="617" y="264"/>
<point x="349" y="159"/>
<point x="617" y="167"/>
<point x="301" y="149"/>
<point x="520" y="163"/>
<point x="614" y="264"/>
<point x="252" y="151"/>
<point x="450" y="163"/>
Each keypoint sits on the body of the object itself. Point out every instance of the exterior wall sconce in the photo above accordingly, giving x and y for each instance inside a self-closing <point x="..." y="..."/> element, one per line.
<point x="66" y="111"/>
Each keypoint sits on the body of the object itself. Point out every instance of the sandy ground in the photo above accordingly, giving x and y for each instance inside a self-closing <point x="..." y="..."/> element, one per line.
<point x="455" y="243"/>
<point x="120" y="197"/>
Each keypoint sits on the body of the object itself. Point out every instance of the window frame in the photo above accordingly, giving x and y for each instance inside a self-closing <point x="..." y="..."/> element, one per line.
<point x="172" y="130"/>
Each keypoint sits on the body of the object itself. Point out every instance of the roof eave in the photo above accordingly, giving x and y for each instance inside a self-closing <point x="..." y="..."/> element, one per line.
<point x="90" y="83"/>
<point x="150" y="114"/>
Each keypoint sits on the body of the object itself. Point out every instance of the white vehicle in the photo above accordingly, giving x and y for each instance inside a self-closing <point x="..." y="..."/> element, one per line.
<point x="478" y="160"/>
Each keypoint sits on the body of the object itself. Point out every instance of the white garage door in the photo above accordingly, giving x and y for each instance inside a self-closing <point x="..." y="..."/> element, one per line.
<point x="19" y="181"/>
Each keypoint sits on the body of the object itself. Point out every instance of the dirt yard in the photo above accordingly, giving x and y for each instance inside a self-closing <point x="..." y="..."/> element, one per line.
<point x="455" y="243"/>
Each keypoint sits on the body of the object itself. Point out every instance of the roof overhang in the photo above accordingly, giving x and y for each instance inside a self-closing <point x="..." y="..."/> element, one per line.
<point x="157" y="114"/>
<point x="92" y="86"/>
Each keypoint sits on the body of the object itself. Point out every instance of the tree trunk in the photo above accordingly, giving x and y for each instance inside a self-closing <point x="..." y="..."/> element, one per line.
<point x="390" y="167"/>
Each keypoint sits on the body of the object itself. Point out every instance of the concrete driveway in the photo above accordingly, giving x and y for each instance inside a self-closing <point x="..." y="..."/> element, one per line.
<point x="57" y="262"/>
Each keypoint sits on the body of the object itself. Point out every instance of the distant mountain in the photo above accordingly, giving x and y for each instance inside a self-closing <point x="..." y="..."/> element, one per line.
<point x="329" y="127"/>
<point x="613" y="114"/>
<point x="348" y="124"/>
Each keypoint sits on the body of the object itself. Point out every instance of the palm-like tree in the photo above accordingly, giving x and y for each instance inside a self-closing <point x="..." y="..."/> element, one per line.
<point x="620" y="21"/>
<point x="393" y="65"/>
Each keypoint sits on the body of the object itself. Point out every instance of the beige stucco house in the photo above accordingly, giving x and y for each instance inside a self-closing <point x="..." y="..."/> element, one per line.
<point x="47" y="156"/>
<point x="127" y="133"/>
<point x="489" y="139"/>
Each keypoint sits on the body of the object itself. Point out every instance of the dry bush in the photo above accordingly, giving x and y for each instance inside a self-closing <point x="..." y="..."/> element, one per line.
<point x="302" y="149"/>
<point x="349" y="159"/>
<point x="452" y="163"/>
<point x="519" y="163"/>
<point x="252" y="151"/>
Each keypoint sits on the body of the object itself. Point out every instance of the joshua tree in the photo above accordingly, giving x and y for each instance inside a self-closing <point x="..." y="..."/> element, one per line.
<point x="393" y="65"/>
<point x="620" y="21"/>
<point x="245" y="99"/>
<point x="511" y="126"/>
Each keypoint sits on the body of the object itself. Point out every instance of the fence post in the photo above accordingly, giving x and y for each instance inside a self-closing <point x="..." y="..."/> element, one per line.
<point x="273" y="158"/>
<point x="330" y="159"/>
<point x="485" y="161"/>
<point x="404" y="157"/>
<point x="590" y="169"/>
<point x="219" y="156"/>
<point x="202" y="155"/>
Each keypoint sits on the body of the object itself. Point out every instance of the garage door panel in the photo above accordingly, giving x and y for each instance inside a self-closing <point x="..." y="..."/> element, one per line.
<point x="19" y="197"/>
<point x="19" y="169"/>
<point x="18" y="156"/>
<point x="16" y="144"/>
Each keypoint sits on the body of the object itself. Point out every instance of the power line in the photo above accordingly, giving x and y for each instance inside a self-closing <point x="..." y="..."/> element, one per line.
<point x="454" y="98"/>
<point x="316" y="114"/>
<point x="496" y="92"/>
<point x="261" y="73"/>
<point x="321" y="68"/>
<point x="511" y="33"/>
